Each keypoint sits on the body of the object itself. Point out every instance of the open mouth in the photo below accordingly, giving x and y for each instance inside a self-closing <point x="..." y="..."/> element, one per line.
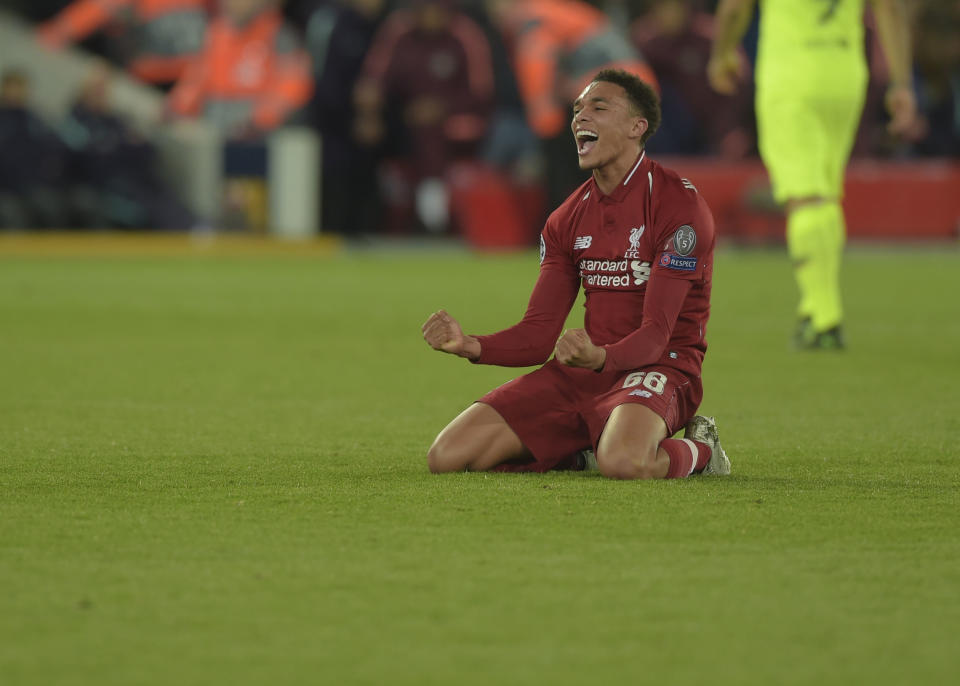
<point x="586" y="141"/>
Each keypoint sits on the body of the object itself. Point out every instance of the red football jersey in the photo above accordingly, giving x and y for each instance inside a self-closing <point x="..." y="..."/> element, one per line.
<point x="644" y="256"/>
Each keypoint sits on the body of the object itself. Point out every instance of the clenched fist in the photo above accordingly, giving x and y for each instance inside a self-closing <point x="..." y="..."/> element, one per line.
<point x="575" y="349"/>
<point x="442" y="332"/>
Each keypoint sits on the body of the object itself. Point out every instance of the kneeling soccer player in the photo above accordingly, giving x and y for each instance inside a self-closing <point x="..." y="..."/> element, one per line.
<point x="640" y="239"/>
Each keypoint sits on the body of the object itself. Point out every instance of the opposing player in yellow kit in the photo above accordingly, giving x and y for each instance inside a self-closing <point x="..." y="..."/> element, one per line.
<point x="811" y="77"/>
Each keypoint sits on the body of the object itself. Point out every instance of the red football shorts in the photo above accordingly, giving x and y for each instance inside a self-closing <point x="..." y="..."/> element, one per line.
<point x="558" y="410"/>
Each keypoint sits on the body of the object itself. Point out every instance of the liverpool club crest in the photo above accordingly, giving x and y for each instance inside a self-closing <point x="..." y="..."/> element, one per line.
<point x="635" y="233"/>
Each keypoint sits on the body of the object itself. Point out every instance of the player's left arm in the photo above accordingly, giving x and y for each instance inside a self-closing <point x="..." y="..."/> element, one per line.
<point x="893" y="29"/>
<point x="686" y="239"/>
<point x="661" y="308"/>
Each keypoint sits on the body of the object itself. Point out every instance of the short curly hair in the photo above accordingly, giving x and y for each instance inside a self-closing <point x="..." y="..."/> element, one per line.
<point x="640" y="94"/>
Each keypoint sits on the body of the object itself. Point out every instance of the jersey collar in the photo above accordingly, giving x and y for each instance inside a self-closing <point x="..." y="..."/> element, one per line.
<point x="629" y="181"/>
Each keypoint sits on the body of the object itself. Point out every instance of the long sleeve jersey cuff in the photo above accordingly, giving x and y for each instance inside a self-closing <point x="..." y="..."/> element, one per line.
<point x="646" y="345"/>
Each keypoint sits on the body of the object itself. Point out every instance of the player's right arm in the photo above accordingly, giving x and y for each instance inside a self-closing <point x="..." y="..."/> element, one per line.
<point x="442" y="332"/>
<point x="893" y="29"/>
<point x="531" y="340"/>
<point x="732" y="19"/>
<point x="528" y="342"/>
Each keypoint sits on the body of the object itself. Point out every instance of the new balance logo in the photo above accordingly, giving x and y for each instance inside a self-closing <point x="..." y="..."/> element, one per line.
<point x="582" y="242"/>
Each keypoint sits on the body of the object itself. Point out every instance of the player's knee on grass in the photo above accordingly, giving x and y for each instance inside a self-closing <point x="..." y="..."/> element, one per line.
<point x="478" y="439"/>
<point x="445" y="457"/>
<point x="628" y="462"/>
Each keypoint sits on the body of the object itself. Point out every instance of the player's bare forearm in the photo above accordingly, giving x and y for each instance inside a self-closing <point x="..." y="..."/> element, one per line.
<point x="575" y="349"/>
<point x="893" y="28"/>
<point x="442" y="332"/>
<point x="732" y="20"/>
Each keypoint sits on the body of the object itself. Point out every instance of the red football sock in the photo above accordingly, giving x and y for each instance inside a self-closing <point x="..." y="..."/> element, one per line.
<point x="686" y="456"/>
<point x="704" y="453"/>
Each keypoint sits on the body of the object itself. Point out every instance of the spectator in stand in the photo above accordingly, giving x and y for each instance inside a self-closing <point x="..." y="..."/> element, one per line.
<point x="431" y="64"/>
<point x="338" y="35"/>
<point x="252" y="74"/>
<point x="676" y="39"/>
<point x="557" y="46"/>
<point x="506" y="189"/>
<point x="35" y="192"/>
<point x="119" y="163"/>
<point x="156" y="40"/>
<point x="510" y="146"/>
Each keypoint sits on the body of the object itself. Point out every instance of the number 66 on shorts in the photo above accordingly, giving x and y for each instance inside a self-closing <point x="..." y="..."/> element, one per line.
<point x="652" y="381"/>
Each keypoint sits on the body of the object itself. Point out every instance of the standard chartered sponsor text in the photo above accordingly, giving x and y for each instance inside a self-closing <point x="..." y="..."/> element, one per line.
<point x="614" y="273"/>
<point x="603" y="266"/>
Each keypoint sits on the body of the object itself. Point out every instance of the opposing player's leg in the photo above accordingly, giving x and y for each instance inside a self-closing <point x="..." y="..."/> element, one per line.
<point x="805" y="140"/>
<point x="793" y="146"/>
<point x="839" y="119"/>
<point x="812" y="250"/>
<point x="815" y="239"/>
<point x="478" y="439"/>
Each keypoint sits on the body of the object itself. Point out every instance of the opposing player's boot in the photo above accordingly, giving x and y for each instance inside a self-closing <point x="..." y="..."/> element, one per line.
<point x="831" y="339"/>
<point x="807" y="338"/>
<point x="704" y="429"/>
<point x="803" y="334"/>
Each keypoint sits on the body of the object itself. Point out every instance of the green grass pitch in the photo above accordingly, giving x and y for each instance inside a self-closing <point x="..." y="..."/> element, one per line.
<point x="212" y="471"/>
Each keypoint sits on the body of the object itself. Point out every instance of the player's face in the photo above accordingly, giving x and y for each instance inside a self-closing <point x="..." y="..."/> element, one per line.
<point x="604" y="126"/>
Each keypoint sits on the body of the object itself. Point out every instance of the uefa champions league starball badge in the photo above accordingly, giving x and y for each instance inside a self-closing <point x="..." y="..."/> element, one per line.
<point x="685" y="240"/>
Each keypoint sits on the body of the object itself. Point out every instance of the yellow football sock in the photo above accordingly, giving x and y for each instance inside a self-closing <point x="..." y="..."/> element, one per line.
<point x="815" y="238"/>
<point x="829" y="313"/>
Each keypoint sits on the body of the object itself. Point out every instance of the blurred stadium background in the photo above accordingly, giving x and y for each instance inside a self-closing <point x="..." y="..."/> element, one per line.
<point x="300" y="125"/>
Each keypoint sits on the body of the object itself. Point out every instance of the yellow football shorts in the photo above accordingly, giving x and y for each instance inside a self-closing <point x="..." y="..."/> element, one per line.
<point x="805" y="139"/>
